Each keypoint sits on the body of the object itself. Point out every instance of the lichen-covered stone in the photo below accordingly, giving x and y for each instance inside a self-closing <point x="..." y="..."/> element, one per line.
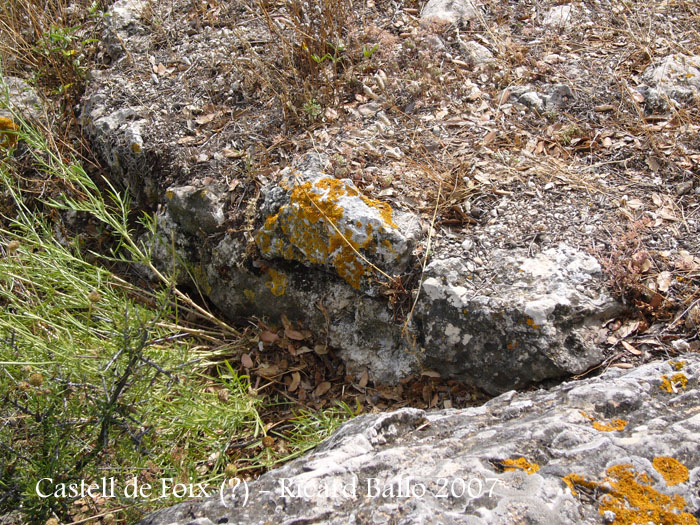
<point x="318" y="220"/>
<point x="21" y="98"/>
<point x="533" y="457"/>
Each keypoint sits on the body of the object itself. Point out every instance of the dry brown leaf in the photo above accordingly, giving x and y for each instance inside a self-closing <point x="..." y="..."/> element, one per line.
<point x="635" y="204"/>
<point x="186" y="140"/>
<point x="268" y="371"/>
<point x="626" y="329"/>
<point x="322" y="389"/>
<point x="663" y="280"/>
<point x="631" y="349"/>
<point x="286" y="322"/>
<point x="321" y="349"/>
<point x="232" y="153"/>
<point x="268" y="337"/>
<point x="246" y="361"/>
<point x="294" y="335"/>
<point x="364" y="379"/>
<point x="296" y="379"/>
<point x="206" y="119"/>
<point x="667" y="214"/>
<point x="430" y="373"/>
<point x="622" y="365"/>
<point x="489" y="138"/>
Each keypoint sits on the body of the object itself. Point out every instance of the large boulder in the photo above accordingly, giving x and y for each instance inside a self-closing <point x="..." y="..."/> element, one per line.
<point x="618" y="448"/>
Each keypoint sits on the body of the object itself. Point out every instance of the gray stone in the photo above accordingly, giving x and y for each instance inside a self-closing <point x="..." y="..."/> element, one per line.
<point x="21" y="99"/>
<point x="559" y="16"/>
<point x="560" y="96"/>
<point x="540" y="319"/>
<point x="314" y="248"/>
<point x="476" y="52"/>
<point x="450" y="10"/>
<point x="583" y="451"/>
<point x="675" y="76"/>
<point x="123" y="24"/>
<point x="196" y="209"/>
<point x="322" y="221"/>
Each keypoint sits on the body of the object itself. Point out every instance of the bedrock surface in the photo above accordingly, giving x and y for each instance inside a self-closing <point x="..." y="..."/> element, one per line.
<point x="621" y="447"/>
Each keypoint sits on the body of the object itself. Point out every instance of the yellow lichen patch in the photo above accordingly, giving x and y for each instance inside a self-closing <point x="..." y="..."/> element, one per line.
<point x="676" y="381"/>
<point x="317" y="231"/>
<point x="7" y="133"/>
<point x="573" y="480"/>
<point x="385" y="211"/>
<point x="614" y="425"/>
<point x="677" y="365"/>
<point x="531" y="323"/>
<point x="632" y="499"/>
<point x="249" y="294"/>
<point x="520" y="463"/>
<point x="278" y="282"/>
<point x="673" y="471"/>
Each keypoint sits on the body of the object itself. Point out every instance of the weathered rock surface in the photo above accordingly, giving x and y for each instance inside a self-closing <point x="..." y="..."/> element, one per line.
<point x="674" y="78"/>
<point x="22" y="99"/>
<point x="619" y="448"/>
<point x="319" y="220"/>
<point x="540" y="313"/>
<point x="311" y="246"/>
<point x="450" y="10"/>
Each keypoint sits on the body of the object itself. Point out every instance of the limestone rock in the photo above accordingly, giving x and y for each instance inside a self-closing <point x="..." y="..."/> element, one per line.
<point x="449" y="10"/>
<point x="319" y="220"/>
<point x="622" y="444"/>
<point x="540" y="319"/>
<point x="196" y="209"/>
<point x="21" y="97"/>
<point x="676" y="77"/>
<point x="559" y="16"/>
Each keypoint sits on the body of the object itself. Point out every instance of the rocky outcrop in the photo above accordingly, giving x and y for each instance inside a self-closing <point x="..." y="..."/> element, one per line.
<point x="308" y="244"/>
<point x="619" y="448"/>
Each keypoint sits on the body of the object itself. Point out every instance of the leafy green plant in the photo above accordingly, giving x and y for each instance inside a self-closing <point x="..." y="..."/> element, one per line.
<point x="97" y="376"/>
<point x="367" y="51"/>
<point x="313" y="109"/>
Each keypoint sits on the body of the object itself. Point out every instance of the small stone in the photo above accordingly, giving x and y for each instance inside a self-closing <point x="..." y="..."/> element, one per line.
<point x="684" y="187"/>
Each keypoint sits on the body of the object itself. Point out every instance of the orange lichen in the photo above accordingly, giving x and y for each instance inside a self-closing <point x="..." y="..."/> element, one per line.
<point x="385" y="211"/>
<point x="573" y="480"/>
<point x="631" y="498"/>
<point x="677" y="365"/>
<point x="8" y="131"/>
<point x="676" y="381"/>
<point x="333" y="243"/>
<point x="278" y="282"/>
<point x="673" y="471"/>
<point x="614" y="425"/>
<point x="250" y="294"/>
<point x="520" y="463"/>
<point x="531" y="323"/>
